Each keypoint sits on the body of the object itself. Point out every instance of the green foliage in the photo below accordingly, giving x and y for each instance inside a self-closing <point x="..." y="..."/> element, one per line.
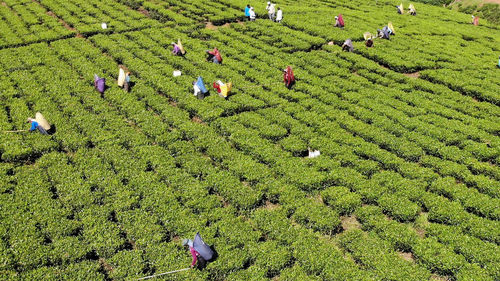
<point x="341" y="199"/>
<point x="127" y="176"/>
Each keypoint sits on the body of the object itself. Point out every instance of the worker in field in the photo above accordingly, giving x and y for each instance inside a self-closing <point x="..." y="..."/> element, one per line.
<point x="252" y="14"/>
<point x="288" y="77"/>
<point x="178" y="49"/>
<point x="400" y="9"/>
<point x="412" y="10"/>
<point x="247" y="12"/>
<point x="498" y="62"/>
<point x="475" y="20"/>
<point x="385" y="33"/>
<point x="347" y="46"/>
<point x="214" y="56"/>
<point x="99" y="83"/>
<point x="199" y="89"/>
<point x="200" y="251"/>
<point x="124" y="79"/>
<point x="126" y="84"/>
<point x="279" y="15"/>
<point x="339" y="21"/>
<point x="368" y="39"/>
<point x="222" y="89"/>
<point x="39" y="123"/>
<point x="271" y="10"/>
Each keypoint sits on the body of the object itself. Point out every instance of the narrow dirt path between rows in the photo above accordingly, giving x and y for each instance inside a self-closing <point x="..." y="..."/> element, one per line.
<point x="412" y="75"/>
<point x="60" y="20"/>
<point x="211" y="26"/>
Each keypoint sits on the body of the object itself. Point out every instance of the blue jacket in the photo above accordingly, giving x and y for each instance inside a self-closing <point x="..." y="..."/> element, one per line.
<point x="34" y="125"/>
<point x="247" y="11"/>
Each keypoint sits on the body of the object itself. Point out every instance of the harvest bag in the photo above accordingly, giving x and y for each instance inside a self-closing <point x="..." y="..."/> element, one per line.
<point x="42" y="121"/>
<point x="202" y="248"/>
<point x="181" y="47"/>
<point x="121" y="77"/>
<point x="201" y="85"/>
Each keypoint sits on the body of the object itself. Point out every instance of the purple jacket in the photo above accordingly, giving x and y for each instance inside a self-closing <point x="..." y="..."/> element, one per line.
<point x="176" y="50"/>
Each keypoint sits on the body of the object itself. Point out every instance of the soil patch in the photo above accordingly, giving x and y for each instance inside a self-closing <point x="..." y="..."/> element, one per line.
<point x="406" y="256"/>
<point x="350" y="222"/>
<point x="211" y="26"/>
<point x="420" y="232"/>
<point x="172" y="103"/>
<point x="143" y="11"/>
<point x="270" y="206"/>
<point x="105" y="265"/>
<point x="439" y="278"/>
<point x="412" y="75"/>
<point x="197" y="119"/>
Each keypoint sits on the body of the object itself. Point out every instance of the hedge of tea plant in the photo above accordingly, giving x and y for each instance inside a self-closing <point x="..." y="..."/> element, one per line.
<point x="406" y="186"/>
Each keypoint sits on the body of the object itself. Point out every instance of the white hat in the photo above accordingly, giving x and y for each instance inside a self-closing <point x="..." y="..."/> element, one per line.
<point x="188" y="242"/>
<point x="269" y="2"/>
<point x="104" y="25"/>
<point x="336" y="17"/>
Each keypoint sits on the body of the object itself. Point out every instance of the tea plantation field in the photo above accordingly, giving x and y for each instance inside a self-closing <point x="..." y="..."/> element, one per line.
<point x="407" y="186"/>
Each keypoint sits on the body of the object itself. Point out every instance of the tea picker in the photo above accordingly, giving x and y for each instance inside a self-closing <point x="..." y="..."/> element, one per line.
<point x="99" y="83"/>
<point x="223" y="88"/>
<point x="271" y="10"/>
<point x="384" y="33"/>
<point x="347" y="46"/>
<point x="178" y="48"/>
<point x="400" y="9"/>
<point x="279" y="15"/>
<point x="339" y="21"/>
<point x="475" y="20"/>
<point x="199" y="89"/>
<point x="247" y="12"/>
<point x="288" y="77"/>
<point x="368" y="39"/>
<point x="412" y="11"/>
<point x="214" y="56"/>
<point x="39" y="123"/>
<point x="252" y="14"/>
<point x="124" y="79"/>
<point x="199" y="250"/>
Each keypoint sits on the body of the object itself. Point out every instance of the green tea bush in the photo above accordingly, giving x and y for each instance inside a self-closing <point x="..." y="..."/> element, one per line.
<point x="341" y="199"/>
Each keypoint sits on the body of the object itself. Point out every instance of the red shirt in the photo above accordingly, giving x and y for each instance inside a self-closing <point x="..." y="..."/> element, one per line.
<point x="288" y="76"/>
<point x="194" y="254"/>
